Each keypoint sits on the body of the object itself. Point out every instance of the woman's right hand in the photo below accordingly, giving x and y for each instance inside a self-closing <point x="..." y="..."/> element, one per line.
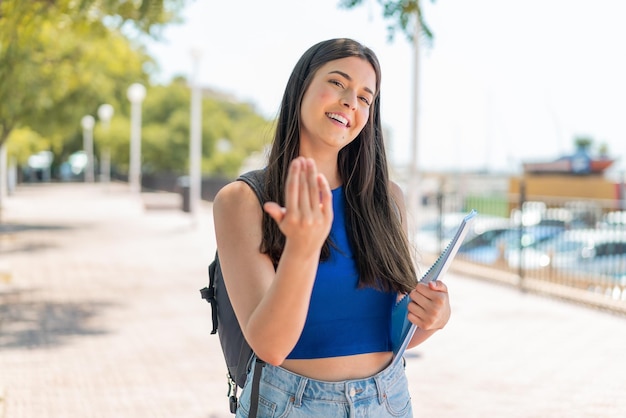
<point x="308" y="213"/>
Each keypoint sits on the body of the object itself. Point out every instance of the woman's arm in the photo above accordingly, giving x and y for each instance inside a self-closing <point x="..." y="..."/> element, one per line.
<point x="271" y="305"/>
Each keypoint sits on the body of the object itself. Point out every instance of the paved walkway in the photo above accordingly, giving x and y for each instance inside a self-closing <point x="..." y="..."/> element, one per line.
<point x="100" y="316"/>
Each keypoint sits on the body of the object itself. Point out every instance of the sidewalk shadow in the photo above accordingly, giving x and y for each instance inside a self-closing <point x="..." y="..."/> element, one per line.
<point x="44" y="324"/>
<point x="10" y="239"/>
<point x="11" y="228"/>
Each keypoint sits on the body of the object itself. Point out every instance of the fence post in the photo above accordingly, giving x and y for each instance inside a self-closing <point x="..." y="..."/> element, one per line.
<point x="520" y="267"/>
<point x="440" y="223"/>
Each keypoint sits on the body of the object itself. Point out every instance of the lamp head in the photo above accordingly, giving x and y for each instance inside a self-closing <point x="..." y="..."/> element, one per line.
<point x="105" y="112"/>
<point x="136" y="93"/>
<point x="87" y="122"/>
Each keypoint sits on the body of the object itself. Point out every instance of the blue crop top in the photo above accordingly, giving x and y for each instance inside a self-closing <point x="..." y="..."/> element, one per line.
<point x="343" y="319"/>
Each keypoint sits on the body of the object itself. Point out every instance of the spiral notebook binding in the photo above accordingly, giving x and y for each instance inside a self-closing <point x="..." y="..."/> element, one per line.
<point x="447" y="252"/>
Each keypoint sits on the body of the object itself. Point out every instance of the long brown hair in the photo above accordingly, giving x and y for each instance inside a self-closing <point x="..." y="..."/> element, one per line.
<point x="379" y="243"/>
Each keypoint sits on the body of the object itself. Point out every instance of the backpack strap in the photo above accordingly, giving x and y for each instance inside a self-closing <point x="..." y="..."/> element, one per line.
<point x="208" y="293"/>
<point x="254" y="394"/>
<point x="255" y="180"/>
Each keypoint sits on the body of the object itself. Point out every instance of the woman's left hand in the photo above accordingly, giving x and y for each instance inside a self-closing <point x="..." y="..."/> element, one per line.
<point x="430" y="305"/>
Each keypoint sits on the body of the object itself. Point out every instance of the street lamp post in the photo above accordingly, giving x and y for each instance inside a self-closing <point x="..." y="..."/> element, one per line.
<point x="105" y="113"/>
<point x="136" y="93"/>
<point x="414" y="195"/>
<point x="3" y="172"/>
<point x="195" y="140"/>
<point x="87" y="123"/>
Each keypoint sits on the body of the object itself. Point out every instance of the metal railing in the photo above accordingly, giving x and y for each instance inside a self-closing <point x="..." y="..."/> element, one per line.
<point x="573" y="249"/>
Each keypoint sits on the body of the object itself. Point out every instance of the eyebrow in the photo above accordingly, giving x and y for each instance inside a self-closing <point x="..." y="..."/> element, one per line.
<point x="346" y="76"/>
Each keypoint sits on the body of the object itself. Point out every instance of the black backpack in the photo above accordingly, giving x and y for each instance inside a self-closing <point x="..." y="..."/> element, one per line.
<point x="237" y="352"/>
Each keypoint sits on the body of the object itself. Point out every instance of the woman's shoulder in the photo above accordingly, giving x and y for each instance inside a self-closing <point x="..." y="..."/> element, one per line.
<point x="396" y="192"/>
<point x="397" y="199"/>
<point x="235" y="197"/>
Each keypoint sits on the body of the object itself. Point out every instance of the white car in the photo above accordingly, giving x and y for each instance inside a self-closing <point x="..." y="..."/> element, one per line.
<point x="606" y="259"/>
<point x="572" y="248"/>
<point x="615" y="220"/>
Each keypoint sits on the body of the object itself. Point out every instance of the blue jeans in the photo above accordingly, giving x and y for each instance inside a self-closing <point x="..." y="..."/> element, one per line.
<point x="286" y="394"/>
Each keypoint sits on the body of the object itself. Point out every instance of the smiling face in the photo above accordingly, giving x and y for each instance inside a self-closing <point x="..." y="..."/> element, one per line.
<point x="336" y="105"/>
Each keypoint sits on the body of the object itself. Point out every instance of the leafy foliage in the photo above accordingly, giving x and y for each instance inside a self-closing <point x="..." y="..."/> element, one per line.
<point x="165" y="132"/>
<point x="61" y="57"/>
<point x="402" y="13"/>
<point x="583" y="142"/>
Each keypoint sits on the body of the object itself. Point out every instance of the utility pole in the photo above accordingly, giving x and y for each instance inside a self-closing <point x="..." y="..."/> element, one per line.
<point x="195" y="140"/>
<point x="136" y="94"/>
<point x="413" y="193"/>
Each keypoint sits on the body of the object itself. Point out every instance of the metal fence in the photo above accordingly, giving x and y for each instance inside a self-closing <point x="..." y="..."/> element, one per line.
<point x="567" y="248"/>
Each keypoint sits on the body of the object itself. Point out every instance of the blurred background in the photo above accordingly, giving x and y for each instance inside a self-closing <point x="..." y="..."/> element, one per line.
<point x="488" y="105"/>
<point x="480" y="100"/>
<point x="119" y="119"/>
<point x="500" y="107"/>
<point x="494" y="84"/>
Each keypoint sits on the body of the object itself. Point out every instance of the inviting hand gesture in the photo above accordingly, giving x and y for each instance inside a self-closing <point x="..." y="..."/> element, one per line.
<point x="308" y="213"/>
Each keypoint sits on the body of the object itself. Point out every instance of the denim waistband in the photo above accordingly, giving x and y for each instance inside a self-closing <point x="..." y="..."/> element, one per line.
<point x="302" y="387"/>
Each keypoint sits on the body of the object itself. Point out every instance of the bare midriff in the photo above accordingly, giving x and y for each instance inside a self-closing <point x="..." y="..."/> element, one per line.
<point x="335" y="369"/>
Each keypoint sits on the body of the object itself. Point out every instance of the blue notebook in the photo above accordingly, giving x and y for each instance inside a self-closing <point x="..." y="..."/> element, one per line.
<point x="402" y="329"/>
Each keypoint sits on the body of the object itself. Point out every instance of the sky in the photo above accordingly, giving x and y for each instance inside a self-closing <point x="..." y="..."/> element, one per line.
<point x="503" y="82"/>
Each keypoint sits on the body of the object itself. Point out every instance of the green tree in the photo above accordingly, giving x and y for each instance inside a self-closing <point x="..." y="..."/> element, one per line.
<point x="583" y="142"/>
<point x="236" y="125"/>
<point x="401" y="13"/>
<point x="26" y="142"/>
<point x="61" y="58"/>
<point x="165" y="133"/>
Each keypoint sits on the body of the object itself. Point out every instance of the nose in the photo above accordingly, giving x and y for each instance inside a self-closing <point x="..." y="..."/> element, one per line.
<point x="349" y="99"/>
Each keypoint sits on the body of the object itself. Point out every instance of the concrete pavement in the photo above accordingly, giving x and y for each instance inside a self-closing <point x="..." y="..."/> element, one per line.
<point x="100" y="316"/>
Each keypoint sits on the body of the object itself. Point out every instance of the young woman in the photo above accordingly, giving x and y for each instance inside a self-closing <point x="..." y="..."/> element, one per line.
<point x="328" y="255"/>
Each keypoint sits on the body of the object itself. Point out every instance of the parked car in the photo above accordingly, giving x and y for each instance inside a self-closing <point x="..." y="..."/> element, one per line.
<point x="574" y="250"/>
<point x="74" y="167"/>
<point x="606" y="258"/>
<point x="613" y="220"/>
<point x="428" y="239"/>
<point x="492" y="245"/>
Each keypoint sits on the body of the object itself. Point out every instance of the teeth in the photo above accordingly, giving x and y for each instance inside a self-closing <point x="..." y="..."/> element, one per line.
<point x="338" y="118"/>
